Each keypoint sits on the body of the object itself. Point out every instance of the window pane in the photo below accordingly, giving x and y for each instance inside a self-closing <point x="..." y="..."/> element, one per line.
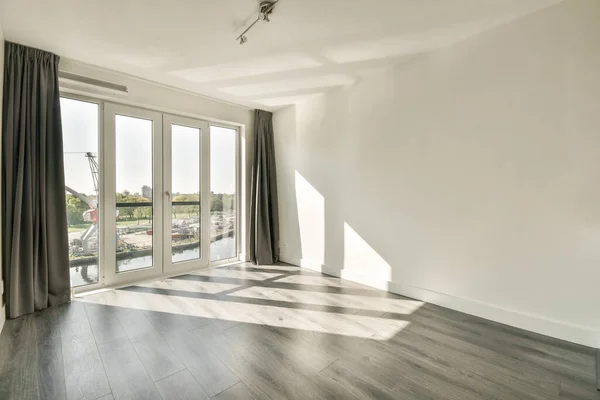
<point x="133" y="139"/>
<point x="185" y="175"/>
<point x="223" y="193"/>
<point x="80" y="144"/>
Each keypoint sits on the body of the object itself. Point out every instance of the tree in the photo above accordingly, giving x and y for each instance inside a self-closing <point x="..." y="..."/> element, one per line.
<point x="216" y="204"/>
<point x="139" y="213"/>
<point x="75" y="209"/>
<point x="190" y="209"/>
<point x="193" y="209"/>
<point x="177" y="209"/>
<point x="228" y="202"/>
<point x="126" y="212"/>
<point x="131" y="212"/>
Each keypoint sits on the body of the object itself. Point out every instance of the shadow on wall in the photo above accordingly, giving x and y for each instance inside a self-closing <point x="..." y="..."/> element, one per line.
<point x="331" y="245"/>
<point x="433" y="176"/>
<point x="285" y="159"/>
<point x="326" y="228"/>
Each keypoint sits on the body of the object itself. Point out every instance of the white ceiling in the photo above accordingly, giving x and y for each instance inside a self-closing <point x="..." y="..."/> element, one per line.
<point x="309" y="46"/>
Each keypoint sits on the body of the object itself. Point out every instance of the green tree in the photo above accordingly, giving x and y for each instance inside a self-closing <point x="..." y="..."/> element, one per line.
<point x="178" y="209"/>
<point x="75" y="209"/>
<point x="216" y="202"/>
<point x="191" y="209"/>
<point x="141" y="213"/>
<point x="131" y="212"/>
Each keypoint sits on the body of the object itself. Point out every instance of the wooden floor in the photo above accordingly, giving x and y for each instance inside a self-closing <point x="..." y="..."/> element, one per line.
<point x="243" y="332"/>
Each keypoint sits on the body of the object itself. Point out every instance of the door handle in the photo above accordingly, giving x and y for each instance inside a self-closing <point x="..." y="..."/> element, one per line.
<point x="167" y="193"/>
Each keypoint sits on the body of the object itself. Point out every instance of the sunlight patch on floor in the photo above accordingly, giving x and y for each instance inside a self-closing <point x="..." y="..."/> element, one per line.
<point x="229" y="273"/>
<point x="190" y="285"/>
<point x="291" y="318"/>
<point x="383" y="305"/>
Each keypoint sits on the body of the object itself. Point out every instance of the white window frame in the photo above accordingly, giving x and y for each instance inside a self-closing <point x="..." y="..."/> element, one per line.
<point x="241" y="195"/>
<point x="238" y="196"/>
<point x="204" y="260"/>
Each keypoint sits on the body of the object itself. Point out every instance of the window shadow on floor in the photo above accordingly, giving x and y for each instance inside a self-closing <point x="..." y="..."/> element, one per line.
<point x="279" y="332"/>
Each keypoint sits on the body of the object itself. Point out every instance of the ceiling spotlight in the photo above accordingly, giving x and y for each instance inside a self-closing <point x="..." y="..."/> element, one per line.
<point x="266" y="8"/>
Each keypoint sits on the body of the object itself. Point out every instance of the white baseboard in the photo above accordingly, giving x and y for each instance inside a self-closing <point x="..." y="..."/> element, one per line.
<point x="533" y="323"/>
<point x="290" y="260"/>
<point x="304" y="263"/>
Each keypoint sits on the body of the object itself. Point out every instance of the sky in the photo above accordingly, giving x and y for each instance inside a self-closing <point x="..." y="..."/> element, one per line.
<point x="133" y="146"/>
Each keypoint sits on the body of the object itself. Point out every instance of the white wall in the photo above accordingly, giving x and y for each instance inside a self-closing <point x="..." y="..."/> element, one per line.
<point x="148" y="94"/>
<point x="2" y="310"/>
<point x="468" y="177"/>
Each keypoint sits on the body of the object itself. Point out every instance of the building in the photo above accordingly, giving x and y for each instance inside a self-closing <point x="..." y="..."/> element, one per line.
<point x="147" y="192"/>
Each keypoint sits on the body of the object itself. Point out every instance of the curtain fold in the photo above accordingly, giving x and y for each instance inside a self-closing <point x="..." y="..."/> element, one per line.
<point x="264" y="218"/>
<point x="35" y="252"/>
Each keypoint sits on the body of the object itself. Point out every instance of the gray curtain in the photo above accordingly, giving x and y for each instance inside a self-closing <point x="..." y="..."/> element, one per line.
<point x="35" y="252"/>
<point x="264" y="218"/>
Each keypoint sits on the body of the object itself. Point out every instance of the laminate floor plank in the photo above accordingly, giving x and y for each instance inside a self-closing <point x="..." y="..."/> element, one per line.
<point x="239" y="391"/>
<point x="546" y="352"/>
<point x="104" y="323"/>
<point x="279" y="332"/>
<point x="48" y="355"/>
<point x="481" y="345"/>
<point x="261" y="380"/>
<point x="298" y="351"/>
<point x="127" y="376"/>
<point x="474" y="365"/>
<point x="156" y="355"/>
<point x="134" y="322"/>
<point x="17" y="373"/>
<point x="31" y="364"/>
<point x="175" y="320"/>
<point x="274" y="360"/>
<point x="181" y="386"/>
<point x="597" y="369"/>
<point x="208" y="370"/>
<point x="71" y="311"/>
<point x="360" y="385"/>
<point x="106" y="397"/>
<point x="153" y="350"/>
<point x="85" y="377"/>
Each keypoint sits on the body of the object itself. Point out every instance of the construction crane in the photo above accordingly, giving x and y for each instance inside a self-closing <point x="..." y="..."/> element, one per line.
<point x="90" y="215"/>
<point x="93" y="169"/>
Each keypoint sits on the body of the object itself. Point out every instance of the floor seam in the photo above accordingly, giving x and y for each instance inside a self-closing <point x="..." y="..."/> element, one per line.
<point x="98" y="350"/>
<point x="328" y="365"/>
<point x="174" y="373"/>
<point x="227" y="388"/>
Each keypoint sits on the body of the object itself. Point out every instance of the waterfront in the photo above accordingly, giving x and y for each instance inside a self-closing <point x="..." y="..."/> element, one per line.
<point x="135" y="241"/>
<point x="219" y="250"/>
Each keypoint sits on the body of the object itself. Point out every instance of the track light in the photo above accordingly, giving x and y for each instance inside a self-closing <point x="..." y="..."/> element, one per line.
<point x="266" y="8"/>
<point x="264" y="17"/>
